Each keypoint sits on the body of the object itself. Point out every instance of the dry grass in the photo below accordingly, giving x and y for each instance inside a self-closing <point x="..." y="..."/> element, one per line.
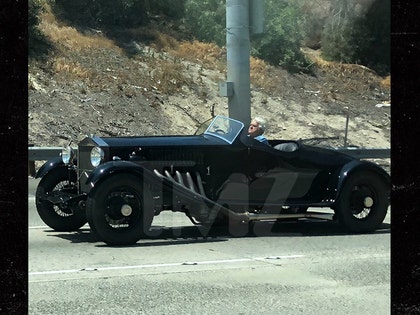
<point x="386" y="82"/>
<point x="79" y="58"/>
<point x="169" y="77"/>
<point x="212" y="56"/>
<point x="209" y="55"/>
<point x="69" y="42"/>
<point x="165" y="42"/>
<point x="336" y="68"/>
<point x="69" y="38"/>
<point x="159" y="41"/>
<point x="263" y="75"/>
<point x="349" y="77"/>
<point x="71" y="68"/>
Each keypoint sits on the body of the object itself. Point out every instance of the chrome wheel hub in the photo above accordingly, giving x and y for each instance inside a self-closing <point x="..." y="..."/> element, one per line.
<point x="126" y="210"/>
<point x="368" y="202"/>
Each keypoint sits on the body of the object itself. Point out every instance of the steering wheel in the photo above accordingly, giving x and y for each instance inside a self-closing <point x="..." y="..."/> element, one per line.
<point x="220" y="131"/>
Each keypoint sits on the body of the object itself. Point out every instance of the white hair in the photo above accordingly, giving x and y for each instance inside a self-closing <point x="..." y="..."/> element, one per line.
<point x="261" y="122"/>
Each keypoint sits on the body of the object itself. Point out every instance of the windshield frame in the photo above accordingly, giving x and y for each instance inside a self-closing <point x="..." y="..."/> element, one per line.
<point x="224" y="128"/>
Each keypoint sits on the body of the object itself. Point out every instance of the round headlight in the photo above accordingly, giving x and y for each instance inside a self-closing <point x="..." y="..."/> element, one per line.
<point x="67" y="155"/>
<point x="96" y="156"/>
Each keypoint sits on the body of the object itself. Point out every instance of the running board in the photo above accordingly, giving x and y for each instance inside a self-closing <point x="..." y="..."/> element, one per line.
<point x="307" y="215"/>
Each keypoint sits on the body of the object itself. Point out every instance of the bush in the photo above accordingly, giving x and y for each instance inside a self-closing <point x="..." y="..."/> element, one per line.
<point x="280" y="43"/>
<point x="362" y="39"/>
<point x="38" y="44"/>
<point x="170" y="8"/>
<point x="206" y="19"/>
<point x="117" y="13"/>
<point x="102" y="14"/>
<point x="373" y="34"/>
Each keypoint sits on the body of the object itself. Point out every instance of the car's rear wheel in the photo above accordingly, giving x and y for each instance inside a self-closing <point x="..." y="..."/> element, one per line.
<point x="363" y="202"/>
<point x="119" y="209"/>
<point x="60" y="217"/>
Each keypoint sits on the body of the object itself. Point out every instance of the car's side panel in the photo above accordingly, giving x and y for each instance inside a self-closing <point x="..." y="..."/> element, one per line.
<point x="284" y="177"/>
<point x="220" y="163"/>
<point x="279" y="185"/>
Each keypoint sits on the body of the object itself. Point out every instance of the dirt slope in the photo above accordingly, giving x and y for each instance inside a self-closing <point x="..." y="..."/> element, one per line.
<point x="90" y="85"/>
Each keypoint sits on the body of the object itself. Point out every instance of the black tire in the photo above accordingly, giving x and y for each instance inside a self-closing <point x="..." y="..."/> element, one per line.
<point x="363" y="202"/>
<point x="104" y="210"/>
<point x="59" y="218"/>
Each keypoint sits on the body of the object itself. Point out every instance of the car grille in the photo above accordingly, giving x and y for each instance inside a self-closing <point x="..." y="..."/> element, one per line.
<point x="84" y="167"/>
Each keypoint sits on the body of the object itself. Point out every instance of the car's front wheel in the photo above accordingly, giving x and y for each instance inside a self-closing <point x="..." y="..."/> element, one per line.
<point x="119" y="209"/>
<point x="61" y="217"/>
<point x="363" y="203"/>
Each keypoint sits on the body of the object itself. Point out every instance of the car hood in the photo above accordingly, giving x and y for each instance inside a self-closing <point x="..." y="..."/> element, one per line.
<point x="153" y="141"/>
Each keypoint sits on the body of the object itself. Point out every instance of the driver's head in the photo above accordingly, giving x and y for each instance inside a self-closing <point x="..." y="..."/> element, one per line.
<point x="257" y="127"/>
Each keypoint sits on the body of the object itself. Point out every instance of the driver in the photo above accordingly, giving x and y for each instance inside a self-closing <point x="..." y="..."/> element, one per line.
<point x="257" y="128"/>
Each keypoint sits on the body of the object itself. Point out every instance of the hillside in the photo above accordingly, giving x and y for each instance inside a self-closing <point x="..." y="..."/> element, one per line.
<point x="92" y="84"/>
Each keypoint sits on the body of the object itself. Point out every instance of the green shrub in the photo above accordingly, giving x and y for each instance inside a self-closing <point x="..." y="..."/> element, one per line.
<point x="38" y="44"/>
<point x="103" y="13"/>
<point x="374" y="37"/>
<point x="117" y="13"/>
<point x="206" y="20"/>
<point x="281" y="41"/>
<point x="362" y="39"/>
<point x="170" y="8"/>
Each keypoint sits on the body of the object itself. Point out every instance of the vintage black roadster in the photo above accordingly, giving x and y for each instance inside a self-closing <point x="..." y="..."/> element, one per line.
<point x="217" y="176"/>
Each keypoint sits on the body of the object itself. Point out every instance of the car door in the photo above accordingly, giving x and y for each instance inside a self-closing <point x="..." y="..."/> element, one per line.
<point x="278" y="177"/>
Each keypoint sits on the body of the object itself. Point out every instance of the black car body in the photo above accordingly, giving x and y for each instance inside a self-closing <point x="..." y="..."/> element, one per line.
<point x="118" y="184"/>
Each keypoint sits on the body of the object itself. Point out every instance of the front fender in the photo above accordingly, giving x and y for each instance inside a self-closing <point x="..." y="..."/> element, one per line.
<point x="115" y="167"/>
<point x="48" y="166"/>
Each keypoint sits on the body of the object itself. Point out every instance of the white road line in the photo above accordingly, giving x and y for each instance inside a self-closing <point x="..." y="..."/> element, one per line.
<point x="187" y="263"/>
<point x="38" y="227"/>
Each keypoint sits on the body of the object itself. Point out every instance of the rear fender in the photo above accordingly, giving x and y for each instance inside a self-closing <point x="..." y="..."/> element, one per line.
<point x="48" y="166"/>
<point x="354" y="167"/>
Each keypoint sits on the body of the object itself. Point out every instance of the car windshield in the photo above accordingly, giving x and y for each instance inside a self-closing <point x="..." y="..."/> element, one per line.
<point x="224" y="128"/>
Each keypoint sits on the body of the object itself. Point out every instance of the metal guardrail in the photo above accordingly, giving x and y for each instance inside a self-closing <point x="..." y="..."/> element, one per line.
<point x="41" y="154"/>
<point x="44" y="153"/>
<point x="366" y="153"/>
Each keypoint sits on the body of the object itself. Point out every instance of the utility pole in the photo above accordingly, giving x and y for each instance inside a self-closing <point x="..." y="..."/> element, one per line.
<point x="243" y="17"/>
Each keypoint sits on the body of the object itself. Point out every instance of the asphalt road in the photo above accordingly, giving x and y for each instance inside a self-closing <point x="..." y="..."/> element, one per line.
<point x="289" y="268"/>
